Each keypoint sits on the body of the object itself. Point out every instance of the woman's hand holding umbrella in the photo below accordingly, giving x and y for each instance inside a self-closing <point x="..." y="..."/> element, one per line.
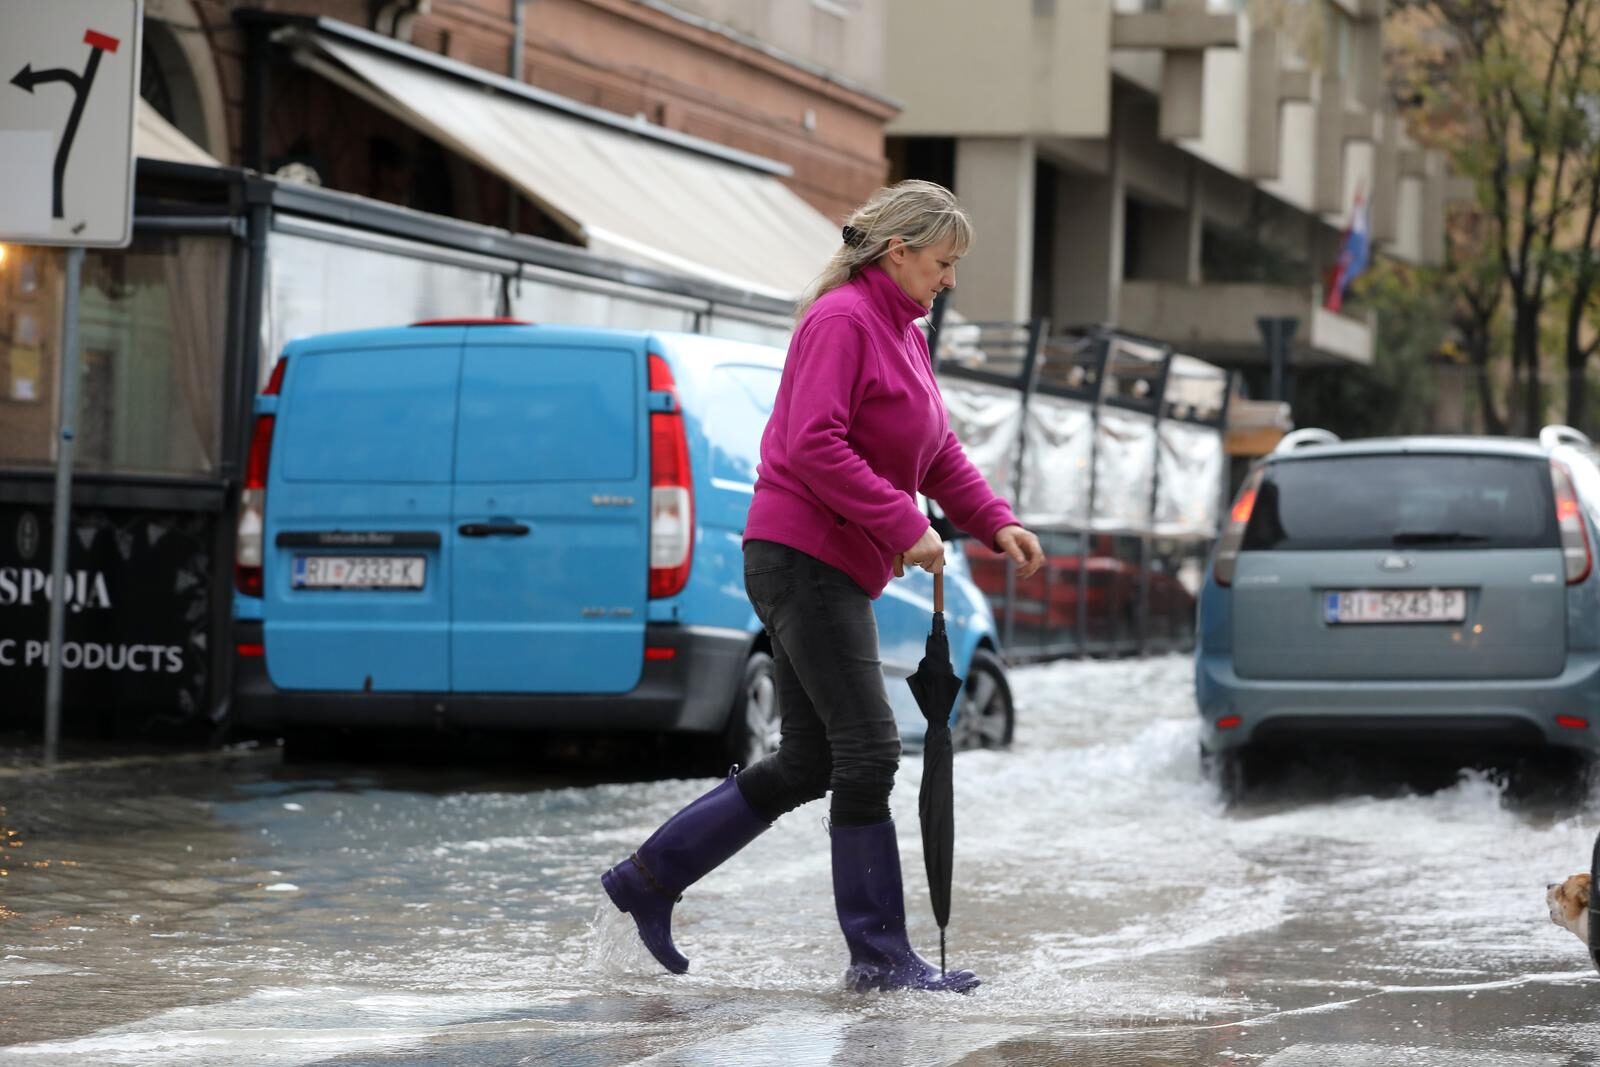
<point x="927" y="553"/>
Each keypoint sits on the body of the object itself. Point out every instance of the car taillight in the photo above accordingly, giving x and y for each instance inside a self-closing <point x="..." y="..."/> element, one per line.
<point x="671" y="492"/>
<point x="1574" y="531"/>
<point x="247" y="576"/>
<point x="1233" y="534"/>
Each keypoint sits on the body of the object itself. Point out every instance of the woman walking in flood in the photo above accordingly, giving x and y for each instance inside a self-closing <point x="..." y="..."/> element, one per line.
<point x="857" y="429"/>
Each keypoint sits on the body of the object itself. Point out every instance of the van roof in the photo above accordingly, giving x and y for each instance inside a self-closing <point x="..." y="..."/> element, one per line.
<point x="685" y="344"/>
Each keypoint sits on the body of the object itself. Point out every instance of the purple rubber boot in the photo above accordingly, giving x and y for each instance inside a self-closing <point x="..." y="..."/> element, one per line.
<point x="872" y="913"/>
<point x="684" y="850"/>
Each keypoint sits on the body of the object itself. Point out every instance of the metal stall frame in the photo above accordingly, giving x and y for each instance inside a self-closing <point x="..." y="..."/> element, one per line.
<point x="1156" y="405"/>
<point x="1098" y="391"/>
<point x="1153" y="405"/>
<point x="1024" y="382"/>
<point x="180" y="198"/>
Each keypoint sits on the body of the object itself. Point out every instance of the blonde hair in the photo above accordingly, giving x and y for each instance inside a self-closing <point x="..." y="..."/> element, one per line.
<point x="919" y="213"/>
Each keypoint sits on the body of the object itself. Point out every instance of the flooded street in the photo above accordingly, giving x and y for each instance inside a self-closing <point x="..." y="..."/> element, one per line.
<point x="212" y="909"/>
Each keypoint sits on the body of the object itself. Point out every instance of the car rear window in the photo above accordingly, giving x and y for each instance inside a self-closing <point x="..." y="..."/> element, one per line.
<point x="1421" y="502"/>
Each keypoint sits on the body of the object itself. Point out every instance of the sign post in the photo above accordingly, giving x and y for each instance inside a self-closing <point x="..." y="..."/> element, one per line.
<point x="67" y="106"/>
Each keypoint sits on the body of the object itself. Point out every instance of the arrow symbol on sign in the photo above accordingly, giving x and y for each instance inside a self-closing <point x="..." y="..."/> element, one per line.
<point x="27" y="78"/>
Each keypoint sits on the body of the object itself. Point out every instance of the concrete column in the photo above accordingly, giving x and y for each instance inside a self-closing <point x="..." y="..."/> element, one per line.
<point x="1193" y="230"/>
<point x="1088" y="248"/>
<point x="1183" y="79"/>
<point x="1367" y="68"/>
<point x="1385" y="192"/>
<point x="1327" y="193"/>
<point x="1168" y="239"/>
<point x="995" y="179"/>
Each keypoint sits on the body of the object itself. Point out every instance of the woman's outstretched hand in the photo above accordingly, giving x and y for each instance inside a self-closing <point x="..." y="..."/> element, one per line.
<point x="1023" y="548"/>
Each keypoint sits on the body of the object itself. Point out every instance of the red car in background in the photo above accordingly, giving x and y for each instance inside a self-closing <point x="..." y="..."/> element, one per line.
<point x="1044" y="617"/>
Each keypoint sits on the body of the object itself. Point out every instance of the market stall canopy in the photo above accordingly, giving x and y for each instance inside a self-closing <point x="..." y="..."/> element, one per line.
<point x="624" y="188"/>
<point x="156" y="138"/>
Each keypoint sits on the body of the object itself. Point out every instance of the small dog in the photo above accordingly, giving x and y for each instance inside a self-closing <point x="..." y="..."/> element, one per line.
<point x="1569" y="904"/>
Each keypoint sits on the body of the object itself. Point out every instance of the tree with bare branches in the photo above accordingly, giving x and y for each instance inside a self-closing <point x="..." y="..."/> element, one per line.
<point x="1514" y="96"/>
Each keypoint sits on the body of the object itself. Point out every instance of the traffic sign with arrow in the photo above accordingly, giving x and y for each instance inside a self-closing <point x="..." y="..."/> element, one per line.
<point x="66" y="168"/>
<point x="66" y="120"/>
<point x="27" y="78"/>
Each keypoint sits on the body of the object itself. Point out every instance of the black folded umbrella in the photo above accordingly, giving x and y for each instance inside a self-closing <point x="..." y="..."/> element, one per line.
<point x="935" y="686"/>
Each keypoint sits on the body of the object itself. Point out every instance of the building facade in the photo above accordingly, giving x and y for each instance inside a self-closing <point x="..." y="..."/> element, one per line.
<point x="801" y="83"/>
<point x="1178" y="168"/>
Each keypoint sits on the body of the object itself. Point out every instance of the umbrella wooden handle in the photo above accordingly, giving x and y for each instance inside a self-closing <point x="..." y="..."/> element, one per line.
<point x="938" y="592"/>
<point x="899" y="566"/>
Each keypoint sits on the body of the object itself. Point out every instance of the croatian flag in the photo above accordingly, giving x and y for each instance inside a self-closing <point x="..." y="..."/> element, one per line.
<point x="1353" y="254"/>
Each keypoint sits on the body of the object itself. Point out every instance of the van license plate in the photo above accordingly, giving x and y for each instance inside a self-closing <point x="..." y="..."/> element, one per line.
<point x="359" y="572"/>
<point x="1396" y="605"/>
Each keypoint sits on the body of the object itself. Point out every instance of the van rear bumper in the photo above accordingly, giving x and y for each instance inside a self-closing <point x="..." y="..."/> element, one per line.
<point x="692" y="692"/>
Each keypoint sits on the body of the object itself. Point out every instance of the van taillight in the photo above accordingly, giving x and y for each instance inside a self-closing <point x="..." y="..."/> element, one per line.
<point x="247" y="576"/>
<point x="1233" y="534"/>
<point x="1574" y="531"/>
<point x="671" y="492"/>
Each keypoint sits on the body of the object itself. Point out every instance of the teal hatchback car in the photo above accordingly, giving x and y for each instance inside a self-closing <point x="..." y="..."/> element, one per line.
<point x="1420" y="588"/>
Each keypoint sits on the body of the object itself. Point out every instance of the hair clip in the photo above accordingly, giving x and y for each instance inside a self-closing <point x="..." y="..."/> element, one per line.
<point x="853" y="237"/>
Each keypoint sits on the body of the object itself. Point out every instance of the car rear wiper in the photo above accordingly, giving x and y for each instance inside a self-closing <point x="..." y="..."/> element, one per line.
<point x="1436" y="537"/>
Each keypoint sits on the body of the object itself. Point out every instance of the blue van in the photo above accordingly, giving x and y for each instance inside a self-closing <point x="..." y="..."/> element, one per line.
<point x="495" y="525"/>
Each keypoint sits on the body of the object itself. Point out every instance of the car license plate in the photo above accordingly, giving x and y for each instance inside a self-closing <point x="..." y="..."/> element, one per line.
<point x="1395" y="605"/>
<point x="359" y="572"/>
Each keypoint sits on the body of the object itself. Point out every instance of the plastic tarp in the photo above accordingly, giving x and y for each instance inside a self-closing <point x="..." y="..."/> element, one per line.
<point x="1055" y="462"/>
<point x="1124" y="471"/>
<point x="1190" y="468"/>
<point x="319" y="286"/>
<point x="629" y="196"/>
<point x="987" y="419"/>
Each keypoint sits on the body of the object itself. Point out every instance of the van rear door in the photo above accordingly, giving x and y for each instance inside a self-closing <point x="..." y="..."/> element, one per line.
<point x="550" y="531"/>
<point x="356" y="541"/>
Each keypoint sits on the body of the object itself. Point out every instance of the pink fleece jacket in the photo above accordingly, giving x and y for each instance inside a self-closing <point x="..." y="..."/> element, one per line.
<point x="857" y="428"/>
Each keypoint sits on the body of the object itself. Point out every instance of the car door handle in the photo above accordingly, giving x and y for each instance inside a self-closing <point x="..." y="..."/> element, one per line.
<point x="493" y="529"/>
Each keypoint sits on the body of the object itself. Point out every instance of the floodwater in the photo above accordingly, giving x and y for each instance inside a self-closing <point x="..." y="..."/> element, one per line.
<point x="227" y="909"/>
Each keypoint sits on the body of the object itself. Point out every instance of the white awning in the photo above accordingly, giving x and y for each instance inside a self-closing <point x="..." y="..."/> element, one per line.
<point x="156" y="138"/>
<point x="637" y="197"/>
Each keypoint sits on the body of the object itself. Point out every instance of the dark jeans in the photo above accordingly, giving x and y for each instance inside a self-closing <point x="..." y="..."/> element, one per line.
<point x="838" y="731"/>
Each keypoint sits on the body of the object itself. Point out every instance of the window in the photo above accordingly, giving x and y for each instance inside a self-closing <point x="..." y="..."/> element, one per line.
<point x="153" y="328"/>
<point x="1415" y="502"/>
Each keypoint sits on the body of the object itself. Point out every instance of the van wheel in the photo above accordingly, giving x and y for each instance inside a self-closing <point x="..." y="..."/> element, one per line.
<point x="988" y="717"/>
<point x="753" y="730"/>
